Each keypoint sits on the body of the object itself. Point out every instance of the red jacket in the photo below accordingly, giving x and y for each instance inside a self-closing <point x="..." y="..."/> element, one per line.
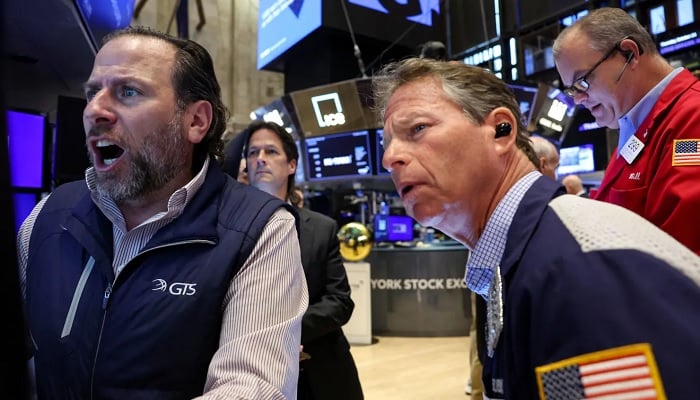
<point x="666" y="195"/>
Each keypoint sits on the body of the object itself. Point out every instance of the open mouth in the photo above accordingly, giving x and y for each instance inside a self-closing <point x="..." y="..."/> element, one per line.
<point x="406" y="189"/>
<point x="108" y="152"/>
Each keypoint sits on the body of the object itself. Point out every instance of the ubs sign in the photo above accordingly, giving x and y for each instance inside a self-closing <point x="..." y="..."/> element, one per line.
<point x="332" y="118"/>
<point x="329" y="109"/>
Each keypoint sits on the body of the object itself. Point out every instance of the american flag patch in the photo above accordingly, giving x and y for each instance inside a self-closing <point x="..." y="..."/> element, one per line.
<point x="627" y="372"/>
<point x="686" y="152"/>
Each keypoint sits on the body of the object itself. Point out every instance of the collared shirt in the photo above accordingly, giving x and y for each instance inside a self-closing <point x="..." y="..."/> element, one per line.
<point x="127" y="244"/>
<point x="631" y="121"/>
<point x="247" y="363"/>
<point x="490" y="247"/>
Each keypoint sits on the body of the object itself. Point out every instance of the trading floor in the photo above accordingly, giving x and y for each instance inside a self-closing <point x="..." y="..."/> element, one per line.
<point x="414" y="368"/>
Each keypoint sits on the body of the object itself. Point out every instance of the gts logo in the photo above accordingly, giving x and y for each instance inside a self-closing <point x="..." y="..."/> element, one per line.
<point x="175" y="288"/>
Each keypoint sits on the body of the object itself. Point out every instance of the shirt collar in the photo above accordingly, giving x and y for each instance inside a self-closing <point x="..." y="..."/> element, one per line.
<point x="176" y="203"/>
<point x="490" y="247"/>
<point x="630" y="122"/>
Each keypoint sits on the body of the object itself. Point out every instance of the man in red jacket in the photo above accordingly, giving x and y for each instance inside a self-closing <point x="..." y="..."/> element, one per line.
<point x="610" y="65"/>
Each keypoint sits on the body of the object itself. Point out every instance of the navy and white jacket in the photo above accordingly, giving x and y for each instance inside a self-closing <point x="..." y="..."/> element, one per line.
<point x="581" y="276"/>
<point x="94" y="334"/>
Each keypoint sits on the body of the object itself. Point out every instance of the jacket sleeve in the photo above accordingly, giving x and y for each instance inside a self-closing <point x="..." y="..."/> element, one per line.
<point x="335" y="306"/>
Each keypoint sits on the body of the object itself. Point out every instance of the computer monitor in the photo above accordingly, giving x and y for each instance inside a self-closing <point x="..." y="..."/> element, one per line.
<point x="328" y="109"/>
<point x="555" y="115"/>
<point x="344" y="155"/>
<point x="281" y="112"/>
<point x="281" y="25"/>
<point x="379" y="152"/>
<point x="576" y="160"/>
<point x="300" y="175"/>
<point x="28" y="142"/>
<point x="393" y="228"/>
<point x="526" y="96"/>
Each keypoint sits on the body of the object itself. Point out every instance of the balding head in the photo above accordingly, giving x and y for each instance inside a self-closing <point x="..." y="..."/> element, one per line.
<point x="573" y="184"/>
<point x="547" y="155"/>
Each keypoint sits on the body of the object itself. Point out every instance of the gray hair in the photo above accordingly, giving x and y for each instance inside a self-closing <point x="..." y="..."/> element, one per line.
<point x="605" y="27"/>
<point x="476" y="90"/>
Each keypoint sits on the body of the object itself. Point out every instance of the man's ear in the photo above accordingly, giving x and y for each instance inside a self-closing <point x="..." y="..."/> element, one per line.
<point x="199" y="118"/>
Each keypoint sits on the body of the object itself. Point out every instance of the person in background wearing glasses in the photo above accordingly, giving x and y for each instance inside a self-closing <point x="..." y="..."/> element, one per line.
<point x="655" y="169"/>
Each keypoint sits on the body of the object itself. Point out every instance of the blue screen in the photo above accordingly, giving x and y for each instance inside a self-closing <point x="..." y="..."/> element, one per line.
<point x="393" y="228"/>
<point x="25" y="137"/>
<point x="415" y="11"/>
<point x="283" y="23"/>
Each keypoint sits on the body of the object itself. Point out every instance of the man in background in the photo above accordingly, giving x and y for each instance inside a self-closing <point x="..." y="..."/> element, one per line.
<point x="547" y="154"/>
<point x="329" y="372"/>
<point x="574" y="185"/>
<point x="610" y="65"/>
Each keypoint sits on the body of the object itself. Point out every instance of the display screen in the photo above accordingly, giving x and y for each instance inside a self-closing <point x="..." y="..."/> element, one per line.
<point x="329" y="109"/>
<point x="282" y="24"/>
<point x="526" y="97"/>
<point x="102" y="17"/>
<point x="414" y="11"/>
<point x="338" y="156"/>
<point x="300" y="175"/>
<point x="393" y="228"/>
<point x="685" y="12"/>
<point x="657" y="16"/>
<point x="380" y="152"/>
<point x="555" y="114"/>
<point x="27" y="139"/>
<point x="277" y="111"/>
<point x="575" y="160"/>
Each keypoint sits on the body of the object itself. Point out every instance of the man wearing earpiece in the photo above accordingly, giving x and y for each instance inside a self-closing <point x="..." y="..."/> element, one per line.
<point x="610" y="65"/>
<point x="567" y="280"/>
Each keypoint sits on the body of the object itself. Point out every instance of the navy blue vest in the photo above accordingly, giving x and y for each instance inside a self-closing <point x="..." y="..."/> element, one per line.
<point x="151" y="333"/>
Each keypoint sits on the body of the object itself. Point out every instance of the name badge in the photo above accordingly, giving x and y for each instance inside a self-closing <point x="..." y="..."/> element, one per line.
<point x="631" y="149"/>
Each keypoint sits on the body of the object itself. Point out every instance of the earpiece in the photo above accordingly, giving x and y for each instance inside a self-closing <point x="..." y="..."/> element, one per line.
<point x="629" y="55"/>
<point x="503" y="129"/>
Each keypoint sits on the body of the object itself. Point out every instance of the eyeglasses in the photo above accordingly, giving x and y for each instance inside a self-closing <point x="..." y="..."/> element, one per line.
<point x="581" y="85"/>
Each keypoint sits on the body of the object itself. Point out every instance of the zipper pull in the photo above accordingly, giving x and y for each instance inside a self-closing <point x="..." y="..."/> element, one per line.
<point x="105" y="299"/>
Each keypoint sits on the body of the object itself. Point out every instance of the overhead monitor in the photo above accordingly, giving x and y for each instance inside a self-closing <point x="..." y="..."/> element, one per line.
<point x="415" y="11"/>
<point x="329" y="109"/>
<point x="685" y="12"/>
<point x="657" y="18"/>
<point x="555" y="114"/>
<point x="102" y="17"/>
<point x="279" y="111"/>
<point x="344" y="155"/>
<point x="526" y="96"/>
<point x="576" y="160"/>
<point x="379" y="147"/>
<point x="300" y="175"/>
<point x="282" y="24"/>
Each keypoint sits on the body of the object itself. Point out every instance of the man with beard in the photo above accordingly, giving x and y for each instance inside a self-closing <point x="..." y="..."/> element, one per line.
<point x="159" y="276"/>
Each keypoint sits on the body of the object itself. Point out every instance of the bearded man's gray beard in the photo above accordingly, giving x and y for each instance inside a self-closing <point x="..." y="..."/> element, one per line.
<point x="159" y="160"/>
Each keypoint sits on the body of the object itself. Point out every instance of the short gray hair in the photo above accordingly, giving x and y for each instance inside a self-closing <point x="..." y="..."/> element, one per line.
<point x="478" y="91"/>
<point x="605" y="27"/>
